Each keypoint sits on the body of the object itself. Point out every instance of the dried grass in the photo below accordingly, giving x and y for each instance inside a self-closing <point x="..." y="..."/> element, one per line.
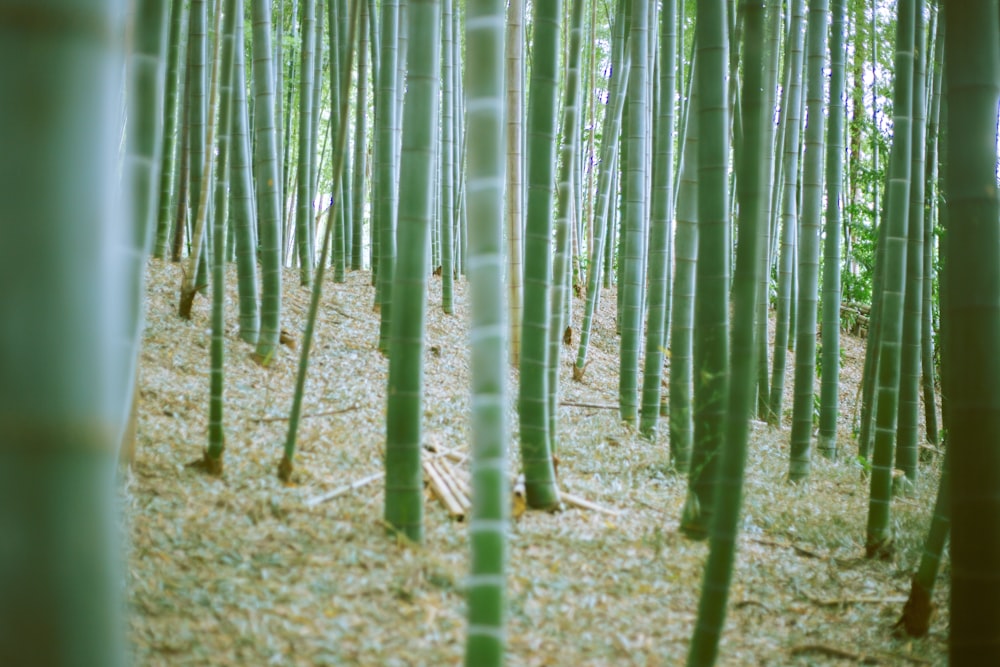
<point x="240" y="571"/>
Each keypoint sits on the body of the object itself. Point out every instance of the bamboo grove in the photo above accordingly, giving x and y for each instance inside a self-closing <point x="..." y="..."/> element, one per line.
<point x="717" y="167"/>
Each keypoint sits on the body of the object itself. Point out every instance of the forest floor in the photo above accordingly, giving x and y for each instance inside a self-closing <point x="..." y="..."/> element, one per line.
<point x="242" y="570"/>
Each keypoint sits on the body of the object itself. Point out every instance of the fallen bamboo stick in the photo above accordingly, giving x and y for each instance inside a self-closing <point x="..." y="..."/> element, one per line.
<point x="583" y="503"/>
<point x="595" y="406"/>
<point x="449" y="480"/>
<point x="461" y="479"/>
<point x="341" y="490"/>
<point x="441" y="490"/>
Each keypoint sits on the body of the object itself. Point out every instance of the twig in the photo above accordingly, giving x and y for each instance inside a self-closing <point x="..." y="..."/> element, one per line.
<point x="788" y="545"/>
<point x="328" y="413"/>
<point x="869" y="659"/>
<point x="837" y="602"/>
<point x="834" y="652"/>
<point x="595" y="406"/>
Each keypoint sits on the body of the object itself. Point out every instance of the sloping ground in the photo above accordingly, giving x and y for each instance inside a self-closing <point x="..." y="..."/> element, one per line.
<point x="240" y="571"/>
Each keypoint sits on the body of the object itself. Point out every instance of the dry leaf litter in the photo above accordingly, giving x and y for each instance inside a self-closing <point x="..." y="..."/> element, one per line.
<point x="242" y="570"/>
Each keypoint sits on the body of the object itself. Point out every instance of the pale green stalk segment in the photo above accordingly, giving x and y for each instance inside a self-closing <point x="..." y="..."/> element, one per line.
<point x="484" y="97"/>
<point x="403" y="474"/>
<point x="62" y="243"/>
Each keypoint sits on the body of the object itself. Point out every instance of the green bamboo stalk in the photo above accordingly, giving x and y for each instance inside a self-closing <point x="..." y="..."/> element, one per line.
<point x="268" y="184"/>
<point x="561" y="294"/>
<point x="771" y="169"/>
<point x="791" y="121"/>
<point x="879" y="540"/>
<point x="171" y="114"/>
<point x="286" y="465"/>
<point x="304" y="195"/>
<point x="682" y="306"/>
<point x="386" y="168"/>
<point x="536" y="458"/>
<point x="661" y="218"/>
<point x="972" y="293"/>
<point x="919" y="608"/>
<point x="515" y="171"/>
<point x="243" y="214"/>
<point x="486" y="590"/>
<point x="360" y="163"/>
<point x="447" y="162"/>
<point x="830" y="381"/>
<point x="930" y="212"/>
<point x="711" y="313"/>
<point x="729" y="491"/>
<point x="197" y="142"/>
<point x="606" y="181"/>
<point x="808" y="250"/>
<point x="634" y="221"/>
<point x="403" y="473"/>
<point x="216" y="428"/>
<point x="193" y="280"/>
<point x="909" y="379"/>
